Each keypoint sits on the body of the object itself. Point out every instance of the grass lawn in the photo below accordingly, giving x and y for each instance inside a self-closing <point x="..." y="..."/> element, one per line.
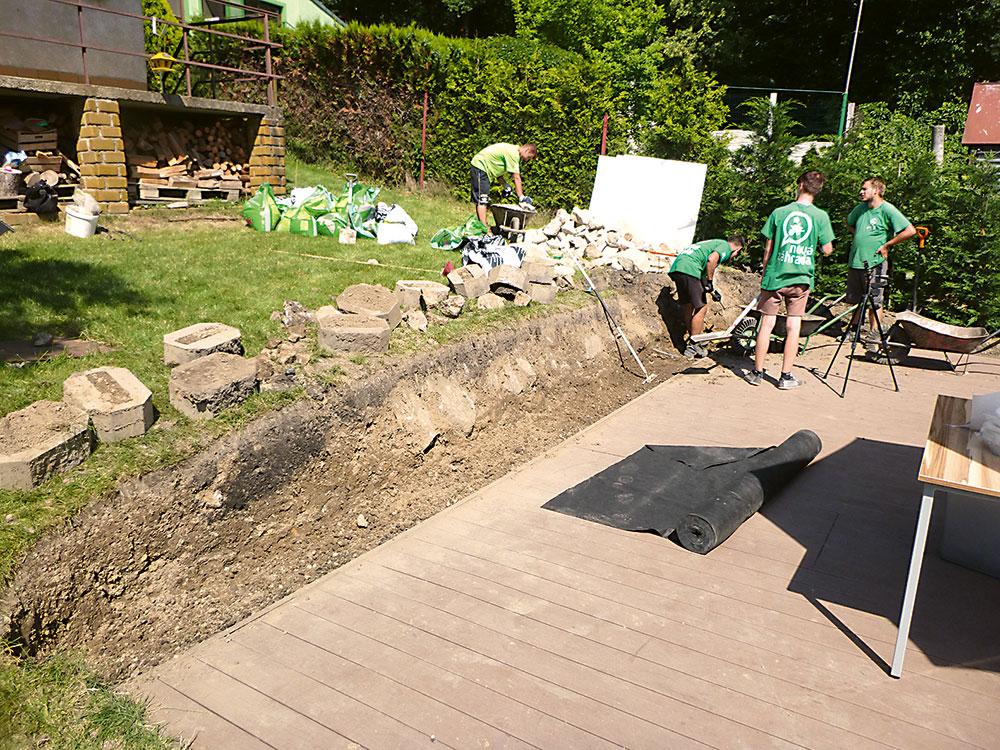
<point x="128" y="294"/>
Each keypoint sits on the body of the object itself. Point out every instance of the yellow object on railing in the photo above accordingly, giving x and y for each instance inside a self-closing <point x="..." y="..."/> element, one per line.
<point x="161" y="62"/>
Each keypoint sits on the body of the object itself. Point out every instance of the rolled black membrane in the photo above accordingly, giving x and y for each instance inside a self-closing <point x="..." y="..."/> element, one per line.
<point x="704" y="494"/>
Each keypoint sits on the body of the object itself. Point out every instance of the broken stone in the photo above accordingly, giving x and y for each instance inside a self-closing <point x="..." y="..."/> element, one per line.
<point x="533" y="251"/>
<point x="453" y="406"/>
<point x="413" y="292"/>
<point x="200" y="340"/>
<point x="351" y="333"/>
<point x="40" y="440"/>
<point x="542" y="292"/>
<point x="416" y="320"/>
<point x="119" y="405"/>
<point x="490" y="301"/>
<point x="513" y="377"/>
<point x="509" y="276"/>
<point x="209" y="385"/>
<point x="552" y="228"/>
<point x="542" y="270"/>
<point x="469" y="281"/>
<point x="591" y="252"/>
<point x="452" y="307"/>
<point x="522" y="299"/>
<point x="295" y="313"/>
<point x="562" y="215"/>
<point x="362" y="522"/>
<point x="581" y="215"/>
<point x="347" y="236"/>
<point x="414" y="418"/>
<point x="371" y="299"/>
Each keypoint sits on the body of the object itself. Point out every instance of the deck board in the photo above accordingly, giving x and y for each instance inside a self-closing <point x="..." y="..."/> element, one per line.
<point x="499" y="624"/>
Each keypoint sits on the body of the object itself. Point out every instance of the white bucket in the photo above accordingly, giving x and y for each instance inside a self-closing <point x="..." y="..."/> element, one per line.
<point x="80" y="224"/>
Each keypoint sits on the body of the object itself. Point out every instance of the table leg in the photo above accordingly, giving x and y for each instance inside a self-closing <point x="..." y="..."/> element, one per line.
<point x="916" y="560"/>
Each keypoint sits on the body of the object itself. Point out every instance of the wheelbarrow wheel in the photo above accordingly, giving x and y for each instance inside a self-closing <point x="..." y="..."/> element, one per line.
<point x="895" y="349"/>
<point x="745" y="335"/>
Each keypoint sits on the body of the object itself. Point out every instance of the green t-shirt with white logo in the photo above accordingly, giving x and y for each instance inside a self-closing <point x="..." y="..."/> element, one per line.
<point x="797" y="230"/>
<point x="693" y="260"/>
<point x="498" y="160"/>
<point x="873" y="227"/>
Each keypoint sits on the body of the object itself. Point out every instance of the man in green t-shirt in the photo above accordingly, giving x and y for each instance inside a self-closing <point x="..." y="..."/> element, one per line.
<point x="792" y="233"/>
<point x="692" y="272"/>
<point x="876" y="225"/>
<point x="498" y="162"/>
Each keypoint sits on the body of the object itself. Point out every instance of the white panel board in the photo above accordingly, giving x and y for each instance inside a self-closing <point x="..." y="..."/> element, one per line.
<point x="657" y="200"/>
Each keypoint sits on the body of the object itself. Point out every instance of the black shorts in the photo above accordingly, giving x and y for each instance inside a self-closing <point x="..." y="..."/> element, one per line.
<point x="689" y="290"/>
<point x="856" y="285"/>
<point x="480" y="186"/>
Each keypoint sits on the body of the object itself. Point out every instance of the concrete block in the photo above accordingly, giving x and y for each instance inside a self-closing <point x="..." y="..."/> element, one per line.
<point x="469" y="281"/>
<point x="200" y="340"/>
<point x="543" y="293"/>
<point x="205" y="387"/>
<point x="490" y="301"/>
<point x="40" y="440"/>
<point x="119" y="405"/>
<point x="539" y="270"/>
<point x="371" y="299"/>
<point x="412" y="292"/>
<point x="510" y="276"/>
<point x="350" y="332"/>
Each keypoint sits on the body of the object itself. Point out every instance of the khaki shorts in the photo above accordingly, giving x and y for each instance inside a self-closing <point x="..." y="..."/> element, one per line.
<point x="856" y="284"/>
<point x="795" y="297"/>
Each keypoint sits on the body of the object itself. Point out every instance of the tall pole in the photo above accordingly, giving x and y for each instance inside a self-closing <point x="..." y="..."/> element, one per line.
<point x="850" y="67"/>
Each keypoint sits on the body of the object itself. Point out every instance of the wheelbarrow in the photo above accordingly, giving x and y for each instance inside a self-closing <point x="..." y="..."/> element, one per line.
<point x="915" y="331"/>
<point x="511" y="220"/>
<point x="742" y="332"/>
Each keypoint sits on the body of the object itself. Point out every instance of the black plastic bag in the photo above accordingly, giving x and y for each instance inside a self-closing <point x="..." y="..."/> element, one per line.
<point x="41" y="198"/>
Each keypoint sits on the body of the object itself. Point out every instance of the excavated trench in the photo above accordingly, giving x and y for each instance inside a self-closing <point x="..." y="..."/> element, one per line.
<point x="185" y="552"/>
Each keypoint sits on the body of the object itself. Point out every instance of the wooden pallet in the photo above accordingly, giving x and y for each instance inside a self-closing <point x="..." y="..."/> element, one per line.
<point x="156" y="193"/>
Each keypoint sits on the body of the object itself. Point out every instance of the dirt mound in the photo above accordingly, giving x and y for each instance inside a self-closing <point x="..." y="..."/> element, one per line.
<point x="185" y="552"/>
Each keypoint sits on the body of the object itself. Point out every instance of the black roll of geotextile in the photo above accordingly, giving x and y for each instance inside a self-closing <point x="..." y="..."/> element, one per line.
<point x="705" y="494"/>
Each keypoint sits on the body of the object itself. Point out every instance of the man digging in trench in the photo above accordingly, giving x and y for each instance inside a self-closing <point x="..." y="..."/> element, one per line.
<point x="692" y="272"/>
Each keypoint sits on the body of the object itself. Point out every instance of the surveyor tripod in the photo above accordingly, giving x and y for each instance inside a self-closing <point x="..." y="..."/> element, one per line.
<point x="876" y="281"/>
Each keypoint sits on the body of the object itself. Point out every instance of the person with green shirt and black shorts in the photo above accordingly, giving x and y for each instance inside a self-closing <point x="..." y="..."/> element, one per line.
<point x="498" y="162"/>
<point x="692" y="272"/>
<point x="792" y="233"/>
<point x="876" y="225"/>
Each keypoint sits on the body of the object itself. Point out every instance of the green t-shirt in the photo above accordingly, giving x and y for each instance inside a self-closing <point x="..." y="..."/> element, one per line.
<point x="693" y="260"/>
<point x="873" y="227"/>
<point x="797" y="230"/>
<point x="498" y="160"/>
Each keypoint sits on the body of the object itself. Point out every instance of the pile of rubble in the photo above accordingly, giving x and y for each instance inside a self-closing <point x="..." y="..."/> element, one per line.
<point x="578" y="234"/>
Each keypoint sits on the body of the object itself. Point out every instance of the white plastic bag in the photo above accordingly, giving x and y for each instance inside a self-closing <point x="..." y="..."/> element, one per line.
<point x="989" y="433"/>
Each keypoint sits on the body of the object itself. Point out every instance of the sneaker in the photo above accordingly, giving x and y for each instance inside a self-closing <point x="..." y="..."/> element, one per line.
<point x="754" y="377"/>
<point x="788" y="381"/>
<point x="694" y="350"/>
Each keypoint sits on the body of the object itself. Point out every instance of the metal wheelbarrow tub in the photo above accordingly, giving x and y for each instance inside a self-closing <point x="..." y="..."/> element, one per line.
<point x="913" y="330"/>
<point x="511" y="220"/>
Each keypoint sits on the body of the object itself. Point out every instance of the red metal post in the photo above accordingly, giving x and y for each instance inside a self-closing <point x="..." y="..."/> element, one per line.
<point x="271" y="88"/>
<point x="83" y="45"/>
<point x="604" y="136"/>
<point x="423" y="143"/>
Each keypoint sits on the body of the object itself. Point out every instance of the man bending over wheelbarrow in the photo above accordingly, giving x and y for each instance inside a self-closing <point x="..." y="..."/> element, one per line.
<point x="876" y="225"/>
<point x="498" y="162"/>
<point x="692" y="272"/>
<point x="793" y="232"/>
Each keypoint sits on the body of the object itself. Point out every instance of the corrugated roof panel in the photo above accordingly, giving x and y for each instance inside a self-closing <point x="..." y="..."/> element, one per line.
<point x="982" y="127"/>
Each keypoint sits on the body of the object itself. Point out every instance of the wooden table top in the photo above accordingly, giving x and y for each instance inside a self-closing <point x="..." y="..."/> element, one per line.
<point x="954" y="456"/>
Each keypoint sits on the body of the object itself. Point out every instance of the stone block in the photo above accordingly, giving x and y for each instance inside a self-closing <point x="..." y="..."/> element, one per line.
<point x="536" y="269"/>
<point x="490" y="301"/>
<point x="40" y="440"/>
<point x="350" y="332"/>
<point x="200" y="340"/>
<point x="542" y="292"/>
<point x="469" y="281"/>
<point x="371" y="299"/>
<point x="119" y="405"/>
<point x="510" y="276"/>
<point x="207" y="386"/>
<point x="412" y="292"/>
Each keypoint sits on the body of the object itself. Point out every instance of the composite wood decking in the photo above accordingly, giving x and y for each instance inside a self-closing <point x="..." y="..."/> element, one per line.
<point x="497" y="624"/>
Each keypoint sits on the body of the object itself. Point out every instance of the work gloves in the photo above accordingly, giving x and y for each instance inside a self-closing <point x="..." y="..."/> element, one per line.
<point x="507" y="191"/>
<point x="709" y="287"/>
<point x="527" y="200"/>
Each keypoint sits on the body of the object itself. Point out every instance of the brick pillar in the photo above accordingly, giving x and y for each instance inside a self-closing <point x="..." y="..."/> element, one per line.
<point x="267" y="160"/>
<point x="101" y="153"/>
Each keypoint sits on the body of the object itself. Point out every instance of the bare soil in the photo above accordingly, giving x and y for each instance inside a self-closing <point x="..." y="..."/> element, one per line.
<point x="185" y="552"/>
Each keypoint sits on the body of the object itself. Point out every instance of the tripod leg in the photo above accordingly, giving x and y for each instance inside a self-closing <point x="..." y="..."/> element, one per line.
<point x="865" y="302"/>
<point x="833" y="359"/>
<point x="885" y="346"/>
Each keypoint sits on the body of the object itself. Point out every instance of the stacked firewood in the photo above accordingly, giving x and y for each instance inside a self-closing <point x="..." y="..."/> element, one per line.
<point x="188" y="155"/>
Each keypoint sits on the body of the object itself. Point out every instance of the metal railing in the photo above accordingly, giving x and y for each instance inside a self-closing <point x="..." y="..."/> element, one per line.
<point x="249" y="14"/>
